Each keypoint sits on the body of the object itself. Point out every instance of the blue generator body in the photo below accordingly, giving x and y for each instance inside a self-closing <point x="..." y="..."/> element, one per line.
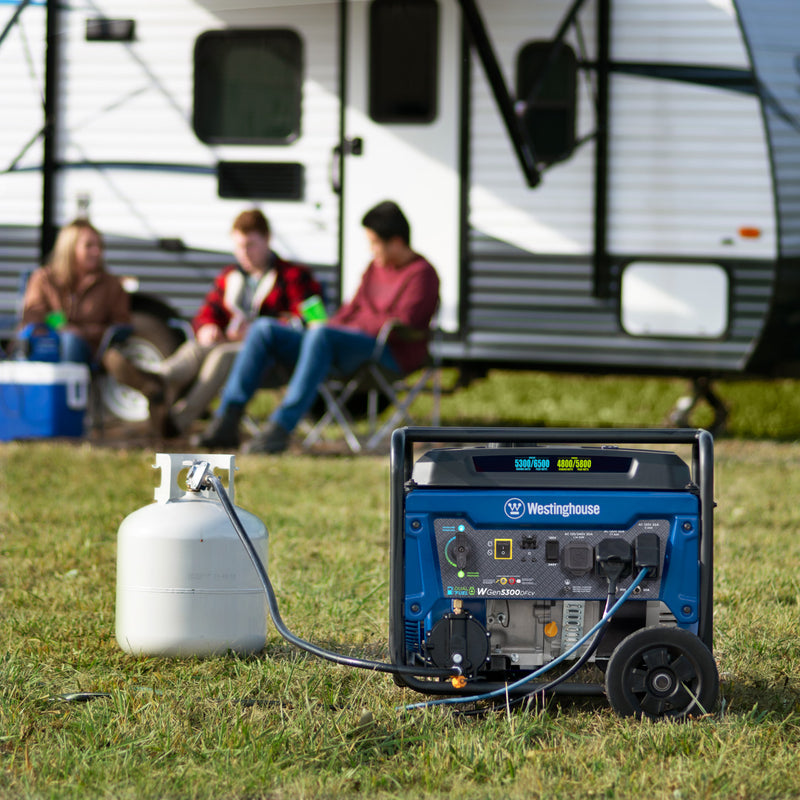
<point x="509" y="547"/>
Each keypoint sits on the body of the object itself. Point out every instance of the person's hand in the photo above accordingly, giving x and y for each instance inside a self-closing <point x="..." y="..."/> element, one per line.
<point x="237" y="327"/>
<point x="238" y="333"/>
<point x="209" y="334"/>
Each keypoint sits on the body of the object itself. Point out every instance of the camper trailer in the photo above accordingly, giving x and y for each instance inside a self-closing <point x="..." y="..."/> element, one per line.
<point x="602" y="184"/>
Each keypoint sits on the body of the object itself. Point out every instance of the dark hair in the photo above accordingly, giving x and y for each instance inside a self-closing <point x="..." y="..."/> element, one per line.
<point x="387" y="221"/>
<point x="252" y="221"/>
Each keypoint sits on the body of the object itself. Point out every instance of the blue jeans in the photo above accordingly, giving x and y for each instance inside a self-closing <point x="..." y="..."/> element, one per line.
<point x="75" y="348"/>
<point x="313" y="355"/>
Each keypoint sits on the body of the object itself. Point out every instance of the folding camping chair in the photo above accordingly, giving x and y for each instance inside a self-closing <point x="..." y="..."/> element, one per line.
<point x="399" y="391"/>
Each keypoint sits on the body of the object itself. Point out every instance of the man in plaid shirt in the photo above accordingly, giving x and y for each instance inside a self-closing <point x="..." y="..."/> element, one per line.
<point x="258" y="284"/>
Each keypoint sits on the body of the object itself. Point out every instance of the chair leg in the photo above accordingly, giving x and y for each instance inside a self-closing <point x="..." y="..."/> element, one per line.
<point x="375" y="381"/>
<point x="401" y="410"/>
<point x="96" y="410"/>
<point x="335" y="409"/>
<point x="372" y="410"/>
<point x="436" y="413"/>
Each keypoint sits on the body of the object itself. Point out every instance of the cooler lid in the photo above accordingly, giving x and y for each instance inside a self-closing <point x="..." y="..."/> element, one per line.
<point x="42" y="373"/>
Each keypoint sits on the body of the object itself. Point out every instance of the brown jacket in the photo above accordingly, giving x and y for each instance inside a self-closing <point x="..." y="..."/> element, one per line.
<point x="97" y="302"/>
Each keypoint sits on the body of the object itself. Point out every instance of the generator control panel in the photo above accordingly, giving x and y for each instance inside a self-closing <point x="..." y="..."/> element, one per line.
<point x="545" y="563"/>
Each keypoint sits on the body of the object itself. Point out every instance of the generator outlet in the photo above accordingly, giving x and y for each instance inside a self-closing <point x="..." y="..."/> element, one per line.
<point x="647" y="553"/>
<point x="614" y="558"/>
<point x="578" y="558"/>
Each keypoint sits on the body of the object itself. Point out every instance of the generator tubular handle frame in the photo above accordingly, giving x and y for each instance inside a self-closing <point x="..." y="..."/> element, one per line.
<point x="402" y="462"/>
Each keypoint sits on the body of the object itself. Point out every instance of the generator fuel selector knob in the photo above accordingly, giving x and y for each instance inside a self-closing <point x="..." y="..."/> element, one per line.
<point x="458" y="549"/>
<point x="463" y="551"/>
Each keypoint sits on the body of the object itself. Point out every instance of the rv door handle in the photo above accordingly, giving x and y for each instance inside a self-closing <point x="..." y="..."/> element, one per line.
<point x="354" y="146"/>
<point x="349" y="147"/>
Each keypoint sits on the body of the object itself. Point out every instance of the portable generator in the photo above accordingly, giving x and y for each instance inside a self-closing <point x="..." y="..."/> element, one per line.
<point x="508" y="549"/>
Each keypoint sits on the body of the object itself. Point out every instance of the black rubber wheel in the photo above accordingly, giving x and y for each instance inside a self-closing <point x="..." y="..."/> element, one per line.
<point x="662" y="672"/>
<point x="155" y="331"/>
<point x="152" y="340"/>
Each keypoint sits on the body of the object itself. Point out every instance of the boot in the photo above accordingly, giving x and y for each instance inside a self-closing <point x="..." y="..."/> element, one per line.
<point x="222" y="431"/>
<point x="273" y="439"/>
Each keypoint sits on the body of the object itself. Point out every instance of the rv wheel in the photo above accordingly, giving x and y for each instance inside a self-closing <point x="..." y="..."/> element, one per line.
<point x="661" y="672"/>
<point x="152" y="340"/>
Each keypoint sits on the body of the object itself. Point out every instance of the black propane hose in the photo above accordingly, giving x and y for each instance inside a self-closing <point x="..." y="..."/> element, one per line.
<point x="203" y="479"/>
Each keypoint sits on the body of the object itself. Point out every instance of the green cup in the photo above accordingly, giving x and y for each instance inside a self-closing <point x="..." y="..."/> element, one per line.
<point x="312" y="309"/>
<point x="56" y="320"/>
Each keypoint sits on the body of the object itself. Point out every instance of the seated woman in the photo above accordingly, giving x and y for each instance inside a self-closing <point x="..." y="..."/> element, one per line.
<point x="94" y="307"/>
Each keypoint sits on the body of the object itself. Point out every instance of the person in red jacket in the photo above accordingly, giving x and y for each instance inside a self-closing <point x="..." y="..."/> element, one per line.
<point x="398" y="285"/>
<point x="258" y="284"/>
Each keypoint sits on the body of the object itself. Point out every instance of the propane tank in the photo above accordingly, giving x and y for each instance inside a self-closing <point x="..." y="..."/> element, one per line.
<point x="185" y="585"/>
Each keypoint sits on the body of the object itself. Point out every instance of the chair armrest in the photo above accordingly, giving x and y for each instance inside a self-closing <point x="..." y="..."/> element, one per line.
<point x="402" y="331"/>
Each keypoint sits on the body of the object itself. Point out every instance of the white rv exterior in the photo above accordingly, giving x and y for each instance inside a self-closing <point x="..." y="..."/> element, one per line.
<point x="667" y="236"/>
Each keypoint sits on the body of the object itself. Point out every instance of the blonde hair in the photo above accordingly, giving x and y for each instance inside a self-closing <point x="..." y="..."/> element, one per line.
<point x="62" y="257"/>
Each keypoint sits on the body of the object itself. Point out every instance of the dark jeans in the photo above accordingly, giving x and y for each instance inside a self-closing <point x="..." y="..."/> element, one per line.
<point x="313" y="354"/>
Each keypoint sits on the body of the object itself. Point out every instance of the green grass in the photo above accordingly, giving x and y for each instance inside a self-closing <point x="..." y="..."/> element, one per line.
<point x="757" y="409"/>
<point x="284" y="725"/>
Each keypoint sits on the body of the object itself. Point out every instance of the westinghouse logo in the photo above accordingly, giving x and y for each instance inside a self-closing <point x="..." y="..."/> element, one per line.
<point x="515" y="508"/>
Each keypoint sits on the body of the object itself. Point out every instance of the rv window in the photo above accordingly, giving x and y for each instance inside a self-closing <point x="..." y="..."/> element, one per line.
<point x="247" y="86"/>
<point x="403" y="56"/>
<point x="546" y="85"/>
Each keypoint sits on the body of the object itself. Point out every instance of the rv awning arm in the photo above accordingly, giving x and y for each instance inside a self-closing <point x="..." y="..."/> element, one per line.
<point x="480" y="39"/>
<point x="13" y="21"/>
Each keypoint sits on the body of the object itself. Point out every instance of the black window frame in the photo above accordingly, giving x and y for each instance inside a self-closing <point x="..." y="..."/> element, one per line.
<point x="404" y="74"/>
<point x="208" y="85"/>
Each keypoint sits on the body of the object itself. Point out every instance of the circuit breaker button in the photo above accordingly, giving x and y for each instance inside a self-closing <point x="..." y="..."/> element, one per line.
<point x="502" y="549"/>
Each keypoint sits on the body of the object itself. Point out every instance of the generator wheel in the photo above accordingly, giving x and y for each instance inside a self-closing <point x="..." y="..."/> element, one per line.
<point x="661" y="672"/>
<point x="152" y="340"/>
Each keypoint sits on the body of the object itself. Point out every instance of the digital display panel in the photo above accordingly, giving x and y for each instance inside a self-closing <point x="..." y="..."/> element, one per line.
<point x="560" y="463"/>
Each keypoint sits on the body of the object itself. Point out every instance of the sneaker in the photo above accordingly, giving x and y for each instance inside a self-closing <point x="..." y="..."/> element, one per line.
<point x="273" y="439"/>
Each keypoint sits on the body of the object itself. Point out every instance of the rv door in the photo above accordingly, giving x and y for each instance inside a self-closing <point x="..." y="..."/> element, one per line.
<point x="402" y="131"/>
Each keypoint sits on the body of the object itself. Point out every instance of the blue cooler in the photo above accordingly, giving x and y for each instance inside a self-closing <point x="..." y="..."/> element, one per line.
<point x="40" y="399"/>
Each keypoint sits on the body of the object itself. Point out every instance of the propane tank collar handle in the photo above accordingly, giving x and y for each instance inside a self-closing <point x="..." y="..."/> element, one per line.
<point x="197" y="481"/>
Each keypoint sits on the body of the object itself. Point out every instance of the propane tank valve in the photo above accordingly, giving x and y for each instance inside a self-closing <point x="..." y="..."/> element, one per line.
<point x="197" y="476"/>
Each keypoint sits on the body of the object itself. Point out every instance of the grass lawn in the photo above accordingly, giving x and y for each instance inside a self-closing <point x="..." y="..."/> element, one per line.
<point x="285" y="725"/>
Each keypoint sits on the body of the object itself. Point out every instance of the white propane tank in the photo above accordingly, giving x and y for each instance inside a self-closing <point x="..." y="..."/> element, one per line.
<point x="185" y="585"/>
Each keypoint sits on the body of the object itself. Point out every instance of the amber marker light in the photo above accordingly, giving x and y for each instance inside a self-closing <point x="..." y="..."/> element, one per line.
<point x="749" y="232"/>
